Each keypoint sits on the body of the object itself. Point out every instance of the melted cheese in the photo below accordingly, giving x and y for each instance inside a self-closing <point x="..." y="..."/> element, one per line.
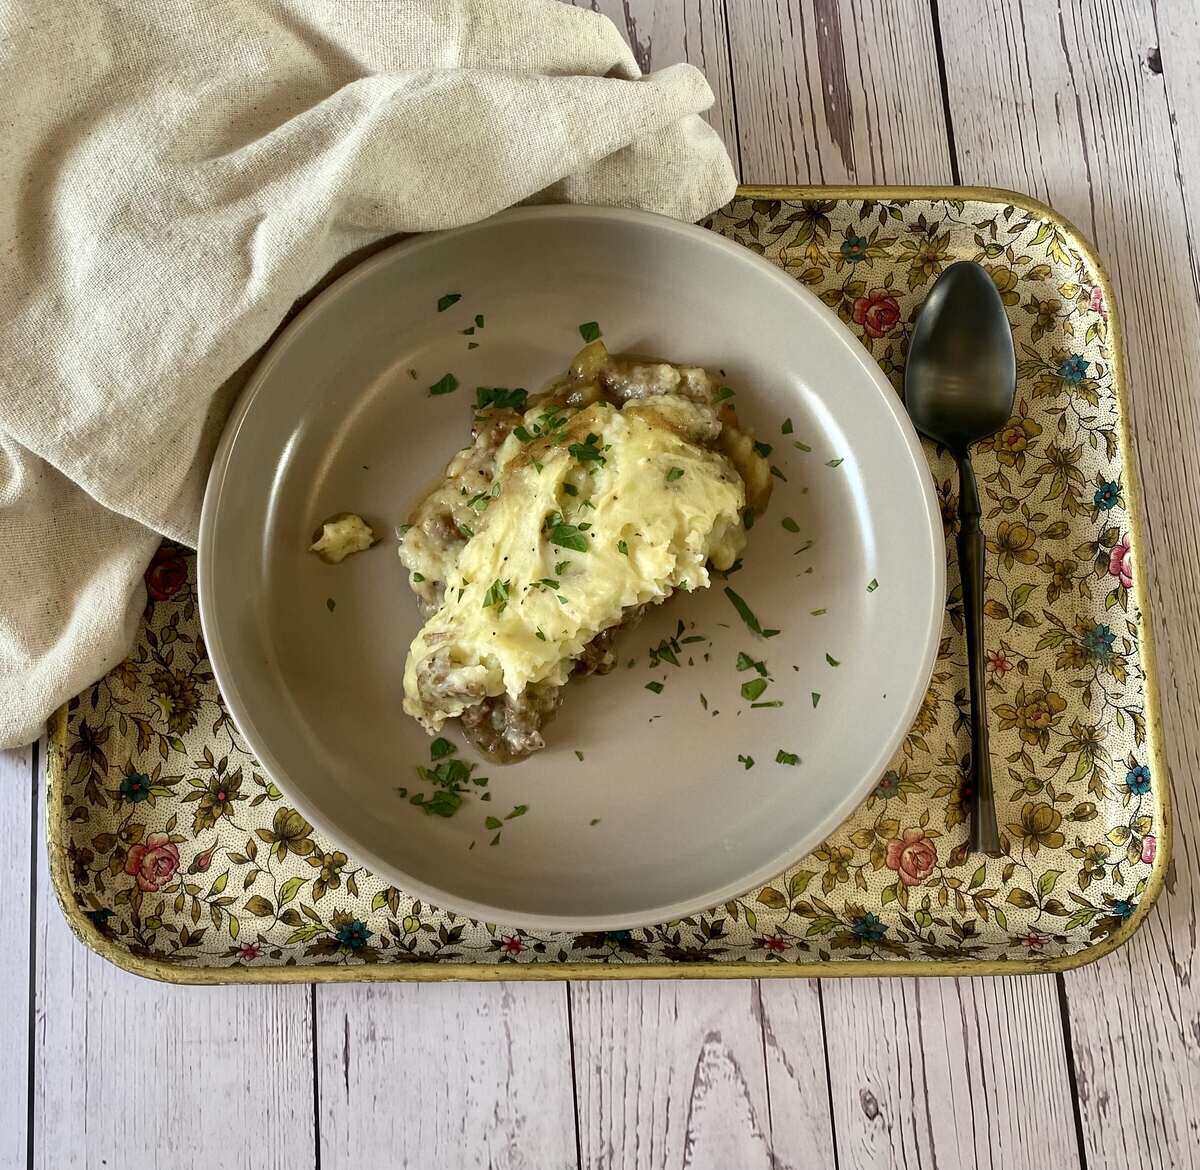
<point x="652" y="510"/>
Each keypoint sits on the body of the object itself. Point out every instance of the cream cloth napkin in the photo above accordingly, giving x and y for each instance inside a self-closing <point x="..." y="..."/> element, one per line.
<point x="176" y="174"/>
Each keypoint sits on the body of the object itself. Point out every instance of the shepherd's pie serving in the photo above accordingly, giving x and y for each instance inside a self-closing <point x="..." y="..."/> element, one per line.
<point x="571" y="511"/>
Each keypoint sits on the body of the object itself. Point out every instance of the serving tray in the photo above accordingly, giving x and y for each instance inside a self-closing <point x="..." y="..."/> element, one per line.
<point x="175" y="856"/>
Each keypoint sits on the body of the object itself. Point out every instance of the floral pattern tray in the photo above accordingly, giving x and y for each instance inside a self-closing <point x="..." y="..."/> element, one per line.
<point x="174" y="855"/>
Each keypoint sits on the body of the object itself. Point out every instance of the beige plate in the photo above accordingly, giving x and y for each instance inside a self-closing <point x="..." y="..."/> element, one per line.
<point x="339" y="418"/>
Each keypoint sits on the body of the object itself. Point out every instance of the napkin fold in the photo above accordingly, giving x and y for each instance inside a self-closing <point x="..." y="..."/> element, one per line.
<point x="178" y="174"/>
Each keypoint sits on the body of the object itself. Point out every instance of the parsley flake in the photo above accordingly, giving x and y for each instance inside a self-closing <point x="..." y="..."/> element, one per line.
<point x="872" y="586"/>
<point x="656" y="687"/>
<point x="752" y="689"/>
<point x="674" y="474"/>
<point x="786" y="429"/>
<point x="622" y="548"/>
<point x="722" y="394"/>
<point x="790" y="524"/>
<point x="448" y="299"/>
<point x="497" y="596"/>
<point x="588" y="451"/>
<point x="782" y="757"/>
<point x="446" y="384"/>
<point x="589" y="331"/>
<point x="831" y="660"/>
<point x="747" y="615"/>
<point x="746" y="761"/>
<point x="835" y="462"/>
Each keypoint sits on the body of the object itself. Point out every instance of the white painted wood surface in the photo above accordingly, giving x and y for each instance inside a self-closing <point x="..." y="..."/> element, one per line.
<point x="445" y="1074"/>
<point x="16" y="866"/>
<point x="1089" y="104"/>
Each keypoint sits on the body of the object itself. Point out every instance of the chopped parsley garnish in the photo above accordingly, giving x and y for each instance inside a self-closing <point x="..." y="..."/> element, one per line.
<point x="449" y="779"/>
<point x="446" y="384"/>
<point x="752" y="689"/>
<point x="782" y="757"/>
<point x="480" y="500"/>
<point x="589" y="331"/>
<point x="560" y="567"/>
<point x="579" y="755"/>
<point x="722" y="394"/>
<point x="777" y="473"/>
<point x="523" y="434"/>
<point x="745" y="662"/>
<point x="748" y="518"/>
<point x="519" y="810"/>
<point x="764" y="449"/>
<point x="472" y="345"/>
<point x="492" y="823"/>
<point x="786" y="429"/>
<point x="468" y="331"/>
<point x="803" y="548"/>
<point x="448" y="299"/>
<point x="500" y="397"/>
<point x="466" y="530"/>
<point x="495" y="840"/>
<point x="588" y="451"/>
<point x="816" y="697"/>
<point x="703" y="701"/>
<point x="872" y="586"/>
<point x="773" y="703"/>
<point x="665" y="651"/>
<point x="570" y="489"/>
<point x="594" y="821"/>
<point x="540" y="636"/>
<point x="746" y="761"/>
<point x="835" y="462"/>
<point x="330" y="604"/>
<point x="544" y="583"/>
<point x="622" y="548"/>
<point x="566" y="535"/>
<point x="479" y="320"/>
<point x="674" y="474"/>
<point x="801" y="446"/>
<point x="817" y="612"/>
<point x="418" y="577"/>
<point x="497" y="595"/>
<point x="747" y="615"/>
<point x="790" y="524"/>
<point x="831" y="660"/>
<point x="656" y="687"/>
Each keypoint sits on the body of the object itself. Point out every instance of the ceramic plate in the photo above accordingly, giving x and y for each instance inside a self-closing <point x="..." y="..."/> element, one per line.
<point x="642" y="808"/>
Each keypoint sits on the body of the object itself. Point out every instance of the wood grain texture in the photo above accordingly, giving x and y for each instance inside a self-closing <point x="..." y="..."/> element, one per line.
<point x="670" y="1074"/>
<point x="16" y="821"/>
<point x="666" y="32"/>
<point x="138" y="1075"/>
<point x="942" y="1072"/>
<point x="445" y="1074"/>
<point x="797" y="1072"/>
<point x="1072" y="99"/>
<point x="837" y="91"/>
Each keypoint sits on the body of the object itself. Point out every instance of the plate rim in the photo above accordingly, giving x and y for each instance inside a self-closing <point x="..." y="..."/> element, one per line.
<point x="465" y="907"/>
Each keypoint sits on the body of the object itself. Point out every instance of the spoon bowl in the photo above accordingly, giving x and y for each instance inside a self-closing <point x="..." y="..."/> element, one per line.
<point x="961" y="376"/>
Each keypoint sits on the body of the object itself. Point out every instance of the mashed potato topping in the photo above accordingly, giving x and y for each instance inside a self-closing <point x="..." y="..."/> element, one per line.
<point x="569" y="514"/>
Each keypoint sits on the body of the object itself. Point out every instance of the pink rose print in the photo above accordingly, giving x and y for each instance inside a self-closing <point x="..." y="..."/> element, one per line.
<point x="511" y="945"/>
<point x="912" y="856"/>
<point x="153" y="862"/>
<point x="248" y="951"/>
<point x="877" y="312"/>
<point x="1120" y="562"/>
<point x="1149" y="849"/>
<point x="1034" y="941"/>
<point x="1096" y="304"/>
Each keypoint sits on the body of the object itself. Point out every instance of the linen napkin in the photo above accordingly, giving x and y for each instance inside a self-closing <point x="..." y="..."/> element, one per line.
<point x="177" y="174"/>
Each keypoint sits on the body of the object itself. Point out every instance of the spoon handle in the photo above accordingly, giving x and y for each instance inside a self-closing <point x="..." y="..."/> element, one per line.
<point x="984" y="832"/>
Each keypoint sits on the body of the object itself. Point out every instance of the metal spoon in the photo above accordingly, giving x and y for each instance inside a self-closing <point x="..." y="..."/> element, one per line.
<point x="959" y="388"/>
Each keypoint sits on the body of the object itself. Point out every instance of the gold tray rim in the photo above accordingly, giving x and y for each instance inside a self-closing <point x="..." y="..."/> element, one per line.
<point x="165" y="972"/>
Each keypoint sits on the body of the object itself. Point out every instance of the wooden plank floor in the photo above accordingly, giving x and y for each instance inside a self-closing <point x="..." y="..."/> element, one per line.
<point x="1090" y="105"/>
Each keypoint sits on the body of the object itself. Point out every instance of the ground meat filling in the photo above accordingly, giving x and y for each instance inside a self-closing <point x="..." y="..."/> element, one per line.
<point x="504" y="727"/>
